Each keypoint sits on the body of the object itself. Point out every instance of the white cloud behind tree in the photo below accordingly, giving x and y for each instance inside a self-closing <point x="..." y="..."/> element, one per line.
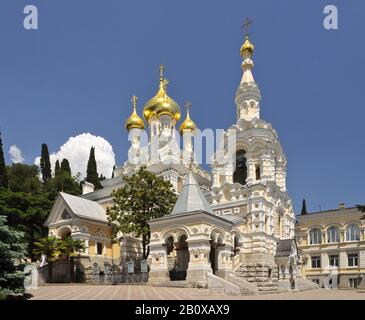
<point x="16" y="155"/>
<point x="77" y="149"/>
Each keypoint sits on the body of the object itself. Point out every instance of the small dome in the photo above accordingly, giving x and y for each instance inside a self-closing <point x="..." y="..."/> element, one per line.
<point x="161" y="103"/>
<point x="247" y="48"/>
<point x="134" y="121"/>
<point x="188" y="124"/>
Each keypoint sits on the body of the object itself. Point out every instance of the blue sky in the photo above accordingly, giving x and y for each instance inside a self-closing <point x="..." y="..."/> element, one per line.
<point x="78" y="71"/>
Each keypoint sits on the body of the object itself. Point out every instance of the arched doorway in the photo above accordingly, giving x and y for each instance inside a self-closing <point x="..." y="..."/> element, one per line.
<point x="181" y="262"/>
<point x="240" y="174"/>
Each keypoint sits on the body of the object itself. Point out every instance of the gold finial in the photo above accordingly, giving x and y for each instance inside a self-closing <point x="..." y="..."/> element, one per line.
<point x="247" y="48"/>
<point x="134" y="102"/>
<point x="134" y="121"/>
<point x="188" y="124"/>
<point x="162" y="69"/>
<point x="188" y="107"/>
<point x="165" y="82"/>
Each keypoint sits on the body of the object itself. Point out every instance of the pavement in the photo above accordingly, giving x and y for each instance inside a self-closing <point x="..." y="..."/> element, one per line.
<point x="143" y="292"/>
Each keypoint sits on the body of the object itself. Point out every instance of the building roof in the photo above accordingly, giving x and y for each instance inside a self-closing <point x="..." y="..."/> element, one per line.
<point x="326" y="213"/>
<point x="84" y="208"/>
<point x="191" y="198"/>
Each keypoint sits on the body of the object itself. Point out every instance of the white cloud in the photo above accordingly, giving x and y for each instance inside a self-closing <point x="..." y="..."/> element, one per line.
<point x="16" y="155"/>
<point x="77" y="149"/>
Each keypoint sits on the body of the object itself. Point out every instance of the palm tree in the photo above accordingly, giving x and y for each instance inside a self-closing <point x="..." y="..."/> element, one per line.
<point x="50" y="247"/>
<point x="70" y="248"/>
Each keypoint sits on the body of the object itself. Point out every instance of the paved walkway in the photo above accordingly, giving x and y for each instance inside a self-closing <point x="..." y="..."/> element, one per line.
<point x="137" y="292"/>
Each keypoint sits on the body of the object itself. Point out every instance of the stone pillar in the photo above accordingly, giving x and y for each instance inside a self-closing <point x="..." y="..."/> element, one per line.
<point x="159" y="273"/>
<point x="87" y="246"/>
<point x="215" y="176"/>
<point x="250" y="171"/>
<point x="224" y="261"/>
<point x="199" y="264"/>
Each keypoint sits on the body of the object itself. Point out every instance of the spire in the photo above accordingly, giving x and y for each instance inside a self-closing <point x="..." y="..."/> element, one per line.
<point x="246" y="51"/>
<point x="304" y="208"/>
<point x="191" y="198"/>
<point x="248" y="94"/>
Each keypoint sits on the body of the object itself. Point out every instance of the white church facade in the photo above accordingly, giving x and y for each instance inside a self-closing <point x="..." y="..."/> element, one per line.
<point x="233" y="227"/>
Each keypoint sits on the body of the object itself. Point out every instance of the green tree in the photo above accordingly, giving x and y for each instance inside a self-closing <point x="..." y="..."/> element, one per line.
<point x="12" y="255"/>
<point x="3" y="174"/>
<point x="113" y="172"/>
<point x="361" y="207"/>
<point x="144" y="196"/>
<point x="65" y="167"/>
<point x="45" y="164"/>
<point x="27" y="212"/>
<point x="63" y="182"/>
<point x="57" y="168"/>
<point x="50" y="247"/>
<point x="24" y="178"/>
<point x="92" y="171"/>
<point x="70" y="248"/>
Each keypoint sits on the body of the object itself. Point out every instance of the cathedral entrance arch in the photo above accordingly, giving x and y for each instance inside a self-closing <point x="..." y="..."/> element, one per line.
<point x="240" y="174"/>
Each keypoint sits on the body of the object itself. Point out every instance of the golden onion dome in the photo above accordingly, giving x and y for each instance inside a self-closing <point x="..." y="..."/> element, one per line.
<point x="161" y="103"/>
<point x="188" y="124"/>
<point x="247" y="47"/>
<point x="134" y="121"/>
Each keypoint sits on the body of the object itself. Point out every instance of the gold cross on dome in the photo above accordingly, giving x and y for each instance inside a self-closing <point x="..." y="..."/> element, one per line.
<point x="188" y="106"/>
<point x="165" y="82"/>
<point x="246" y="24"/>
<point x="162" y="69"/>
<point x="134" y="101"/>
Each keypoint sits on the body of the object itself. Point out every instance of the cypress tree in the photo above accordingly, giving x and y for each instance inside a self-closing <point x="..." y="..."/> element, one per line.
<point x="113" y="172"/>
<point x="3" y="174"/>
<point x="45" y="164"/>
<point x="57" y="169"/>
<point x="304" y="208"/>
<point x="92" y="171"/>
<point x="65" y="166"/>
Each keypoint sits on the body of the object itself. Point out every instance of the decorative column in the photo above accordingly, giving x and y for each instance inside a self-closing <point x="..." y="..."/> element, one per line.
<point x="224" y="260"/>
<point x="250" y="171"/>
<point x="199" y="264"/>
<point x="159" y="271"/>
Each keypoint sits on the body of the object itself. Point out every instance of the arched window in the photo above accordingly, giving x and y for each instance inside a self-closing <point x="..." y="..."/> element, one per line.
<point x="352" y="233"/>
<point x="240" y="174"/>
<point x="315" y="236"/>
<point x="333" y="235"/>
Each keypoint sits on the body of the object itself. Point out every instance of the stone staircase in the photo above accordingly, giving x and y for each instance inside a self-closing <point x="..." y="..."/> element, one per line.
<point x="265" y="277"/>
<point x="232" y="285"/>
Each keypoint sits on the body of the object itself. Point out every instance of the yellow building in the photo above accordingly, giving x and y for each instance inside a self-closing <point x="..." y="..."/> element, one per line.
<point x="85" y="220"/>
<point x="332" y="246"/>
